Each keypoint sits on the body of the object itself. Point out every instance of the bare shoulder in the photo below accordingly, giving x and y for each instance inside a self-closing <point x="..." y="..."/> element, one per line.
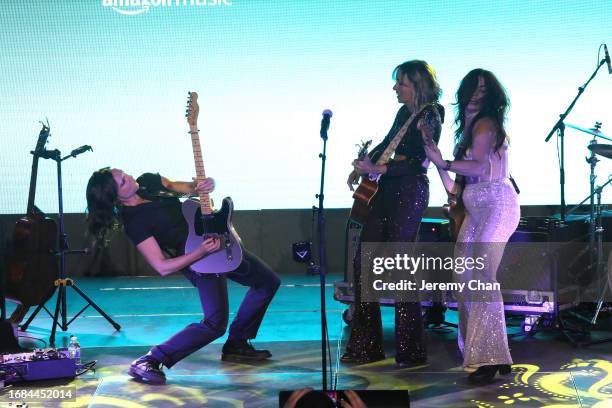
<point x="485" y="128"/>
<point x="485" y="124"/>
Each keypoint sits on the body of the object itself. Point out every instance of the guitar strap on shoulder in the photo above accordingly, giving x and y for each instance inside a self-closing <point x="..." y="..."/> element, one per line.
<point x="516" y="188"/>
<point x="388" y="152"/>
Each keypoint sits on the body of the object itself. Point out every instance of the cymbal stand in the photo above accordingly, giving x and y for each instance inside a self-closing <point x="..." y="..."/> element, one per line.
<point x="592" y="160"/>
<point x="600" y="264"/>
<point x="598" y="255"/>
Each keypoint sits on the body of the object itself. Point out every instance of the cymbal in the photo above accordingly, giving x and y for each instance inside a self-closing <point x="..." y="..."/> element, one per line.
<point x="591" y="131"/>
<point x="604" y="150"/>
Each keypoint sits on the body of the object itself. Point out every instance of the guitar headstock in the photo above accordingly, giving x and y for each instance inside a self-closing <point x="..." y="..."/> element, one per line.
<point x="43" y="136"/>
<point x="430" y="120"/>
<point x="192" y="109"/>
<point x="363" y="149"/>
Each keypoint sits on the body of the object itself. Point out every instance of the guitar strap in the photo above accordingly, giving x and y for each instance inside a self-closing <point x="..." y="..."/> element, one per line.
<point x="388" y="152"/>
<point x="150" y="195"/>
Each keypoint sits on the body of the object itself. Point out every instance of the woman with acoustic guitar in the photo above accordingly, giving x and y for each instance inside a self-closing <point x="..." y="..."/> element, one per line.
<point x="394" y="213"/>
<point x="152" y="218"/>
<point x="492" y="213"/>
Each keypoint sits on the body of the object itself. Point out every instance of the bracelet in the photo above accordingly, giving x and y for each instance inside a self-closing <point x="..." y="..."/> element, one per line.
<point x="448" y="164"/>
<point x="194" y="131"/>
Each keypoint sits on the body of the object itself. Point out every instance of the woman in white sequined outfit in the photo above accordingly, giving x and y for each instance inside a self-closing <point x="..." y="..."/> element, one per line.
<point x="492" y="214"/>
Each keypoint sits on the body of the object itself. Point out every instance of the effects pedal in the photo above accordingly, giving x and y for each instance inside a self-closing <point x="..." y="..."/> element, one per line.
<point x="40" y="364"/>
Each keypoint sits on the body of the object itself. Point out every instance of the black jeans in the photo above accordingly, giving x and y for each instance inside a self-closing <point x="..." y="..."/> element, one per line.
<point x="212" y="288"/>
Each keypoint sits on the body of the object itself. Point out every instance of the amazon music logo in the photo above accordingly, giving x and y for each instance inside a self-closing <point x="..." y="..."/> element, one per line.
<point x="134" y="7"/>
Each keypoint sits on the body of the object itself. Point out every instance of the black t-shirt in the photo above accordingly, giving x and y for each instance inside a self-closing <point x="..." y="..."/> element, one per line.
<point x="161" y="218"/>
<point x="411" y="145"/>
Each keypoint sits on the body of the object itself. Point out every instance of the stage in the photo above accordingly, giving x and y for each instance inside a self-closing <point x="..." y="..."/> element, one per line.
<point x="548" y="370"/>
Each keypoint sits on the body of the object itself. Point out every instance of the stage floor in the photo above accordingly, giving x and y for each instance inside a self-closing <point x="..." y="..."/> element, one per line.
<point x="548" y="370"/>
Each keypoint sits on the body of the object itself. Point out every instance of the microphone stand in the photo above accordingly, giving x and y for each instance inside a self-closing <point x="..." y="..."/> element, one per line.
<point x="560" y="128"/>
<point x="63" y="281"/>
<point x="322" y="259"/>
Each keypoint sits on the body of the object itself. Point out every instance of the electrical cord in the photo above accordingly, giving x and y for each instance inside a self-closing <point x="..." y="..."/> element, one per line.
<point x="9" y="368"/>
<point x="83" y="368"/>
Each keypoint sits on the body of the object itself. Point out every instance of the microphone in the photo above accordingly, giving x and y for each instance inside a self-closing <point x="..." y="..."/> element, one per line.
<point x="80" y="150"/>
<point x="608" y="59"/>
<point x="327" y="114"/>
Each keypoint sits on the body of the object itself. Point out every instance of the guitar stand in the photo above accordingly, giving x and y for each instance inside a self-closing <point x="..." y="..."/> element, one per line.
<point x="63" y="282"/>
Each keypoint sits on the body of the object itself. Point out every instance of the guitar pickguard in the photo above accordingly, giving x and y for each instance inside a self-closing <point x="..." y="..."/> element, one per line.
<point x="217" y="225"/>
<point x="211" y="225"/>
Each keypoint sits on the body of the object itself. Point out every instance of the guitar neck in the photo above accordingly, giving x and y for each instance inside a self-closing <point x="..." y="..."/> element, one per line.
<point x="32" y="192"/>
<point x="205" y="203"/>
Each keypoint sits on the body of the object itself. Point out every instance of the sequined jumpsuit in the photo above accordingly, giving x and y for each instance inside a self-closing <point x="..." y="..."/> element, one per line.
<point x="492" y="215"/>
<point x="395" y="216"/>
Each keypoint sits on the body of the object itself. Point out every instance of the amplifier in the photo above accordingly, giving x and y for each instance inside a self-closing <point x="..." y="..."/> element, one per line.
<point x="542" y="265"/>
<point x="40" y="364"/>
<point x="550" y="285"/>
<point x="431" y="230"/>
<point x="575" y="228"/>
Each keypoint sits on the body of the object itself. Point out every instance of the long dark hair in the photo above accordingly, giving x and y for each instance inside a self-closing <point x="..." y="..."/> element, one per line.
<point x="423" y="77"/>
<point x="495" y="105"/>
<point x="102" y="209"/>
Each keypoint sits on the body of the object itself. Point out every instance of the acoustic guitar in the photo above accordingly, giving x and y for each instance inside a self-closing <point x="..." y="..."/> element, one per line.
<point x="368" y="187"/>
<point x="32" y="266"/>
<point x="203" y="220"/>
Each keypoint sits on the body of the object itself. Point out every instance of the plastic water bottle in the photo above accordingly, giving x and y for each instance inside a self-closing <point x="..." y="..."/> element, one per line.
<point x="74" y="349"/>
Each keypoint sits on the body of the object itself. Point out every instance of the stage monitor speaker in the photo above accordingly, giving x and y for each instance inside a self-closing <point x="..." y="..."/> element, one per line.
<point x="431" y="230"/>
<point x="371" y="398"/>
<point x="538" y="284"/>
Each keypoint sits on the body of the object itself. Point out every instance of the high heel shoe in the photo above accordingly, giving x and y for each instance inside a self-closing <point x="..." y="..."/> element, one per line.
<point x="485" y="374"/>
<point x="350" y="358"/>
<point x="505" y="369"/>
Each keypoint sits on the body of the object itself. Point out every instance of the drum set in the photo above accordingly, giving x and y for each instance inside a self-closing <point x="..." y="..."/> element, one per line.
<point x="602" y="266"/>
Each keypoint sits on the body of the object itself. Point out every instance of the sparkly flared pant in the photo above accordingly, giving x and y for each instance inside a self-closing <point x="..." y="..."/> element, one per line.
<point x="395" y="217"/>
<point x="492" y="215"/>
